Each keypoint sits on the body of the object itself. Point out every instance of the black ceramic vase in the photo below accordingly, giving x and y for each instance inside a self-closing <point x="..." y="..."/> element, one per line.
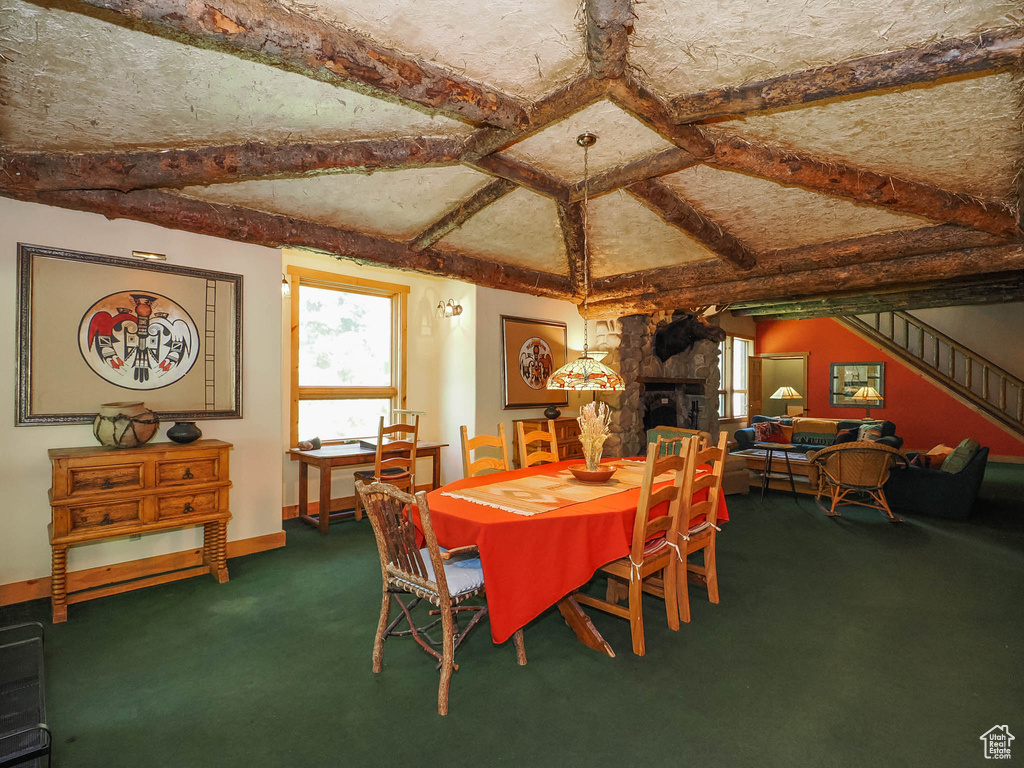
<point x="552" y="412"/>
<point x="184" y="432"/>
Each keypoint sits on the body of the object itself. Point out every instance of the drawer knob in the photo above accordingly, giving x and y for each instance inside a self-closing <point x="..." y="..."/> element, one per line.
<point x="107" y="484"/>
<point x="187" y="508"/>
<point x="106" y="519"/>
<point x="188" y="474"/>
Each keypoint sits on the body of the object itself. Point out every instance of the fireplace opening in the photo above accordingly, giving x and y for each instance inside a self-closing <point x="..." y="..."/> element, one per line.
<point x="671" y="402"/>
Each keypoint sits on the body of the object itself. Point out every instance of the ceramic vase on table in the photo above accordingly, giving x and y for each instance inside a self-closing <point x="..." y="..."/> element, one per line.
<point x="184" y="432"/>
<point x="124" y="425"/>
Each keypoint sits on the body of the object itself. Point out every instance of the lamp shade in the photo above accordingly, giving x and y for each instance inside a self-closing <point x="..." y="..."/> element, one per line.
<point x="866" y="394"/>
<point x="585" y="374"/>
<point x="786" y="393"/>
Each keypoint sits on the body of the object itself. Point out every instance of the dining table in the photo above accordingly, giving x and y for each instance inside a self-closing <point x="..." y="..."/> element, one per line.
<point x="542" y="535"/>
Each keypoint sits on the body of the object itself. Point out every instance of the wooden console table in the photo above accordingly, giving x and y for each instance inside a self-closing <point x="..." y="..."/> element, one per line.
<point x="346" y="455"/>
<point x="104" y="493"/>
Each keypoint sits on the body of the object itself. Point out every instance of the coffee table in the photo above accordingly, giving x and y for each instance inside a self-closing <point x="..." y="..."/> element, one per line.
<point x="769" y="449"/>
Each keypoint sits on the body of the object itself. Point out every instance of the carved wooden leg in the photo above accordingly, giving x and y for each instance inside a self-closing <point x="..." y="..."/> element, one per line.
<point x="58" y="585"/>
<point x="208" y="545"/>
<point x="615" y="591"/>
<point x="219" y="568"/>
<point x="378" y="640"/>
<point x="711" y="567"/>
<point x="517" y="639"/>
<point x="447" y="658"/>
<point x="636" y="615"/>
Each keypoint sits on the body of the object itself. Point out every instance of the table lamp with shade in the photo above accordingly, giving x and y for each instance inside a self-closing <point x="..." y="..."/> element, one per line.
<point x="867" y="396"/>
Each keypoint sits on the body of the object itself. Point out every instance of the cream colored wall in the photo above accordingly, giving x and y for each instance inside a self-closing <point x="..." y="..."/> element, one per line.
<point x="995" y="331"/>
<point x="24" y="468"/>
<point x="440" y="375"/>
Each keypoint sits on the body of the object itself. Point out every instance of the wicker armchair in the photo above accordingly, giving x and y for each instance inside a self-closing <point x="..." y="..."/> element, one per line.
<point x="854" y="473"/>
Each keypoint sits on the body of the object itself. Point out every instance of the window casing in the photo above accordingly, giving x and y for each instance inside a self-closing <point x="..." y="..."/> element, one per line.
<point x="348" y="341"/>
<point x="733" y="392"/>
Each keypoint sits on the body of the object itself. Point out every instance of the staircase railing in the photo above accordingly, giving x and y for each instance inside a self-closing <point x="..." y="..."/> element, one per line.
<point x="992" y="389"/>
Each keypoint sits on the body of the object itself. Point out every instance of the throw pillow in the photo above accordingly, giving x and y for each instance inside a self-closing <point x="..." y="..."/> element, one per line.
<point x="961" y="456"/>
<point x="846" y="436"/>
<point x="769" y="432"/>
<point x="787" y="432"/>
<point x="814" y="431"/>
<point x="870" y="430"/>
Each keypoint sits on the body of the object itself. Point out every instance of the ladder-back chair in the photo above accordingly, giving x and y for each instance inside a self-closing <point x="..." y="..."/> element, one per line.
<point x="395" y="461"/>
<point x="671" y="435"/>
<point x="653" y="551"/>
<point x="855" y="473"/>
<point x="471" y="468"/>
<point x="550" y="454"/>
<point x="443" y="578"/>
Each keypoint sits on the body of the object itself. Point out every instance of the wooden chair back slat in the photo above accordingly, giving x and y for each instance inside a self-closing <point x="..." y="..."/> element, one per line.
<point x="544" y="455"/>
<point x="472" y="468"/>
<point x="399" y="453"/>
<point x="710" y="458"/>
<point x="644" y="527"/>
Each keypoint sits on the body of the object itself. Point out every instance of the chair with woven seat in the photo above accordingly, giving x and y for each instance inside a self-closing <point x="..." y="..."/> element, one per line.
<point x="542" y="456"/>
<point x="394" y="462"/>
<point x="653" y="551"/>
<point x="444" y="578"/>
<point x="472" y="468"/>
<point x="854" y="473"/>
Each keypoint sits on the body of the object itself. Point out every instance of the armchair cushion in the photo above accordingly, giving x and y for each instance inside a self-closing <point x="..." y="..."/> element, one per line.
<point x="961" y="456"/>
<point x="463" y="575"/>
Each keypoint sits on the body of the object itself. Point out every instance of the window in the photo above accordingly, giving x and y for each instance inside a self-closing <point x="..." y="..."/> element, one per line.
<point x="732" y="397"/>
<point x="348" y="353"/>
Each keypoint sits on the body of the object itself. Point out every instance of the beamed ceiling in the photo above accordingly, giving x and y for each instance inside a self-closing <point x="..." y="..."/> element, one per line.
<point x="801" y="154"/>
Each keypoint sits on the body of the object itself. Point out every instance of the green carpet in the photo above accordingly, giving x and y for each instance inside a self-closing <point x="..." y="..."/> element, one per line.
<point x="847" y="642"/>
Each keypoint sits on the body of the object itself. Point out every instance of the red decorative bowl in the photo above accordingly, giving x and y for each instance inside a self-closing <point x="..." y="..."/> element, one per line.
<point x="601" y="475"/>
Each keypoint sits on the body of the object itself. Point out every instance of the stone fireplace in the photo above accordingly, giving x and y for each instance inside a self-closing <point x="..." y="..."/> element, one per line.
<point x="683" y="389"/>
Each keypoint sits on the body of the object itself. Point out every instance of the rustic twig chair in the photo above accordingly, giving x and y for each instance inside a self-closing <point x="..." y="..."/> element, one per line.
<point x="394" y="463"/>
<point x="443" y="578"/>
<point x="854" y="473"/>
<point x="653" y="550"/>
<point x="472" y="468"/>
<point x="550" y="454"/>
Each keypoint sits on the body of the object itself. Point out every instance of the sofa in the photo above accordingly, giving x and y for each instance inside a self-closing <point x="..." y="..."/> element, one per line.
<point x="810" y="441"/>
<point x="921" y="490"/>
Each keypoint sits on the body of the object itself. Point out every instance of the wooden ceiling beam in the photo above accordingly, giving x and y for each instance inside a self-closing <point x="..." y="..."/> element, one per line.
<point x="632" y="94"/>
<point x="837" y="180"/>
<point x="987" y="51"/>
<point x="661" y="199"/>
<point x="857" y="250"/>
<point x="175" y="211"/>
<point x="904" y="271"/>
<point x="523" y="174"/>
<point x="462" y="213"/>
<point x="274" y="34"/>
<point x="609" y="24"/>
<point x="989" y="289"/>
<point x="571" y="219"/>
<point x="126" y="171"/>
<point x="665" y="162"/>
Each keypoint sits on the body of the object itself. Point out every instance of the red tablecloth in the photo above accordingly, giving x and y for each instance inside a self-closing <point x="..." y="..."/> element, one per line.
<point x="530" y="563"/>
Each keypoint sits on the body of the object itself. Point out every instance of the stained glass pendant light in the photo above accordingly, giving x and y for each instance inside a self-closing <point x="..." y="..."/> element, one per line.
<point x="585" y="373"/>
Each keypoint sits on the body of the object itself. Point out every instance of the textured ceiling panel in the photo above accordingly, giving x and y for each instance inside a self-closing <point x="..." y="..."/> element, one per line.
<point x="524" y="47"/>
<point x="621" y="139"/>
<point x="396" y="204"/>
<point x="626" y="236"/>
<point x="75" y="83"/>
<point x="963" y="136"/>
<point x="520" y="228"/>
<point x="767" y="215"/>
<point x="686" y="46"/>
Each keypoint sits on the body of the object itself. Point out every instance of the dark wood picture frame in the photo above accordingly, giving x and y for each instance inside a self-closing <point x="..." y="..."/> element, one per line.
<point x="224" y="328"/>
<point x="515" y="331"/>
<point x="847" y="378"/>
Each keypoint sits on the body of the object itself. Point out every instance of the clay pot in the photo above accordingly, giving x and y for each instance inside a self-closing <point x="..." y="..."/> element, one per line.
<point x="124" y="425"/>
<point x="552" y="412"/>
<point x="184" y="432"/>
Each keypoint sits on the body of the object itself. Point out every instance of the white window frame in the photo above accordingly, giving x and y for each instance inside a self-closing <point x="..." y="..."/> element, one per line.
<point x="726" y="376"/>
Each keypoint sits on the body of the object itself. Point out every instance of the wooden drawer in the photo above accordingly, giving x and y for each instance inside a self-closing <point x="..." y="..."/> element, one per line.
<point x="85" y="480"/>
<point x="187" y="504"/>
<point x="200" y="469"/>
<point x="107" y="515"/>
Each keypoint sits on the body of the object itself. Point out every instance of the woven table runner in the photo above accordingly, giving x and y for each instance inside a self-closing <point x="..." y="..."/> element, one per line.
<point x="535" y="494"/>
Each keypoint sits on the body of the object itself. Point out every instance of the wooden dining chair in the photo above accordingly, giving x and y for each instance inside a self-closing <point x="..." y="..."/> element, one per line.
<point x="395" y="462"/>
<point x="698" y="527"/>
<point x="653" y="551"/>
<point x="444" y="578"/>
<point x="671" y="436"/>
<point x="550" y="454"/>
<point x="471" y="468"/>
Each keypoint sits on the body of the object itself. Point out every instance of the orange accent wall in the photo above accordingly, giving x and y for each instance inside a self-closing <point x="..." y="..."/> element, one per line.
<point x="924" y="414"/>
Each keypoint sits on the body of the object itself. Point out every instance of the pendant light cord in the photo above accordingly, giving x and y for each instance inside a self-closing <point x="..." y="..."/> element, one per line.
<point x="586" y="247"/>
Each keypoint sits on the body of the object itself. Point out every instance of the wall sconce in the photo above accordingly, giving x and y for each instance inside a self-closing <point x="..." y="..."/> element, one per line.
<point x="451" y="309"/>
<point x="149" y="256"/>
<point x="286" y="289"/>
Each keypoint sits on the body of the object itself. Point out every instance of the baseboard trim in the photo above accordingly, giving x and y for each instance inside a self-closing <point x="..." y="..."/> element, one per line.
<point x="91" y="578"/>
<point x="337" y="505"/>
<point x="1006" y="459"/>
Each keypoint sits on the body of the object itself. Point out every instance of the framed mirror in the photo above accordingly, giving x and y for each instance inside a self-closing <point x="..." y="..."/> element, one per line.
<point x="847" y="378"/>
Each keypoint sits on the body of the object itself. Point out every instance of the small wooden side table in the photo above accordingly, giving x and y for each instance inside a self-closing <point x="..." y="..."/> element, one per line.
<point x="769" y="448"/>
